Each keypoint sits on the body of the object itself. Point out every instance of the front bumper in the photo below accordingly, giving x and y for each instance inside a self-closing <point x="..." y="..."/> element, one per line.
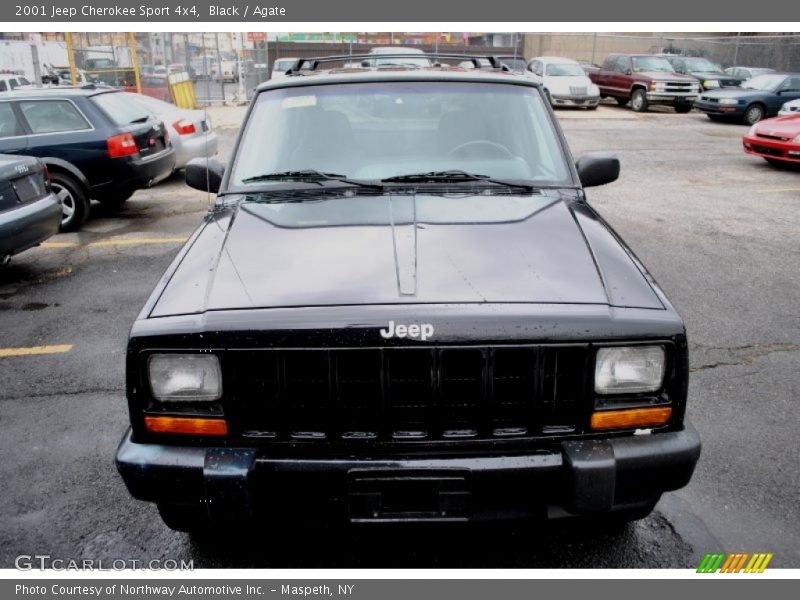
<point x="773" y="149"/>
<point x="29" y="224"/>
<point x="578" y="476"/>
<point x="721" y="110"/>
<point x="579" y="101"/>
<point x="670" y="98"/>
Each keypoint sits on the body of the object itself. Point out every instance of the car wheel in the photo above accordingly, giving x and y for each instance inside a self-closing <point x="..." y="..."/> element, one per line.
<point x="74" y="202"/>
<point x="639" y="100"/>
<point x="621" y="101"/>
<point x="183" y="517"/>
<point x="683" y="108"/>
<point x="753" y="114"/>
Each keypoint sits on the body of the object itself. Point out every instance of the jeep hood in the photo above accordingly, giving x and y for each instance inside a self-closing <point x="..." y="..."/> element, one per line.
<point x="403" y="250"/>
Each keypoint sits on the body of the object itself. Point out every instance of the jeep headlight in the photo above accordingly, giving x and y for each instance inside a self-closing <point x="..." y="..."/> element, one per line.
<point x="796" y="140"/>
<point x="629" y="369"/>
<point x="710" y="84"/>
<point x="728" y="101"/>
<point x="594" y="90"/>
<point x="185" y="377"/>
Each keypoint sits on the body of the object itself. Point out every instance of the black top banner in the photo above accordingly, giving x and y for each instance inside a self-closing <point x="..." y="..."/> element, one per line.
<point x="360" y="11"/>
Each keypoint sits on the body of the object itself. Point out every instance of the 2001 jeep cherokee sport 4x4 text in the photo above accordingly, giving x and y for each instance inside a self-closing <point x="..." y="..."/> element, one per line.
<point x="402" y="308"/>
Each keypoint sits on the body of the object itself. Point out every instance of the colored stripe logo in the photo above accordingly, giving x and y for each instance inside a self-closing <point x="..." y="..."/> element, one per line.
<point x="739" y="562"/>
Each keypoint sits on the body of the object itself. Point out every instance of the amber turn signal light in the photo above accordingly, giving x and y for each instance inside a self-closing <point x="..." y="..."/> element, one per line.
<point x="630" y="418"/>
<point x="186" y="425"/>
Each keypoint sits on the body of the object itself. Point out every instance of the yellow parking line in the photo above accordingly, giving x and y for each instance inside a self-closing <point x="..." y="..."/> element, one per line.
<point x="797" y="189"/>
<point x="114" y="242"/>
<point x="56" y="349"/>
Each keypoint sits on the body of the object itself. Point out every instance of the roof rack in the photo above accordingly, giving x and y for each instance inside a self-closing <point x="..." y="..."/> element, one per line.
<point x="311" y="64"/>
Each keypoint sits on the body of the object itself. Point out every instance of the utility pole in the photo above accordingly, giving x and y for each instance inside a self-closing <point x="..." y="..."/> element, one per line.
<point x="37" y="68"/>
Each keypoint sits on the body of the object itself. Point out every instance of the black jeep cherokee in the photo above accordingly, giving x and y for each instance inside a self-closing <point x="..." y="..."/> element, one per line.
<point x="402" y="308"/>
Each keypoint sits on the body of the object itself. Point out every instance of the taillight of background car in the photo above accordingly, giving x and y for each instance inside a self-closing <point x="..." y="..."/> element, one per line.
<point x="184" y="127"/>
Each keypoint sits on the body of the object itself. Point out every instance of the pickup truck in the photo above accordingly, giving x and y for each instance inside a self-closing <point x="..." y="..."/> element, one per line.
<point x="643" y="80"/>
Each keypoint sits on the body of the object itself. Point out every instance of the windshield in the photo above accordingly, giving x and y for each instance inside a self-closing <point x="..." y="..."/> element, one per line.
<point x="374" y="131"/>
<point x="405" y="61"/>
<point x="697" y="65"/>
<point x="564" y="70"/>
<point x="651" y="63"/>
<point x="764" y="82"/>
<point x="152" y="104"/>
<point x="283" y="65"/>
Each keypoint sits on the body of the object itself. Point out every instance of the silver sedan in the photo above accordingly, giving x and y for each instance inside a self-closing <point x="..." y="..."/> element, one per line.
<point x="189" y="130"/>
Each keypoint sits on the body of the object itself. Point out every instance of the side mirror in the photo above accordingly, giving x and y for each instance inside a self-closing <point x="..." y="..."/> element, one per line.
<point x="597" y="168"/>
<point x="204" y="174"/>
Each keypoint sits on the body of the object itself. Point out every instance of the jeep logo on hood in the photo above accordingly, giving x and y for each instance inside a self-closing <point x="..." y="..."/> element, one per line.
<point x="421" y="331"/>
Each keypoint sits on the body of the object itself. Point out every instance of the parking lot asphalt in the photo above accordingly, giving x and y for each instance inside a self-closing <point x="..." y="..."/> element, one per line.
<point x="718" y="229"/>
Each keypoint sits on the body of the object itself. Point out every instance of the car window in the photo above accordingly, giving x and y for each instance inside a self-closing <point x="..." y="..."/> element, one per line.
<point x="791" y="84"/>
<point x="120" y="109"/>
<point x="3" y="86"/>
<point x="564" y="70"/>
<point x="23" y="81"/>
<point x="651" y="63"/>
<point x="765" y="83"/>
<point x="13" y="83"/>
<point x="9" y="125"/>
<point x="379" y="130"/>
<point x="51" y="116"/>
<point x="621" y="66"/>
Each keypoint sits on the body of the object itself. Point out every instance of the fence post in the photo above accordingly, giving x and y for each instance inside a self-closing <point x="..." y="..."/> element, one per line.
<point x="37" y="68"/>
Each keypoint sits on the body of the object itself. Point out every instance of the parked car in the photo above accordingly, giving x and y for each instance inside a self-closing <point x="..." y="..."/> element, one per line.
<point x="14" y="82"/>
<point x="280" y="66"/>
<point x="63" y="76"/>
<point x="564" y="82"/>
<point x="190" y="131"/>
<point x="758" y="98"/>
<point x="708" y="73"/>
<point x="775" y="140"/>
<point x="790" y="108"/>
<point x="406" y="316"/>
<point x="644" y="80"/>
<point x="95" y="142"/>
<point x="29" y="210"/>
<point x="154" y="86"/>
<point x="745" y="73"/>
<point x="396" y="56"/>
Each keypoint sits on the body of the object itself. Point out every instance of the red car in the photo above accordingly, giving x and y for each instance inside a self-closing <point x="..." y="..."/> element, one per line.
<point x="775" y="140"/>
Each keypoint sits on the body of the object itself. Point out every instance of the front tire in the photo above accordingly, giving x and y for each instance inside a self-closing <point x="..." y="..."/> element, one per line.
<point x="753" y="114"/>
<point x="75" y="203"/>
<point x="639" y="100"/>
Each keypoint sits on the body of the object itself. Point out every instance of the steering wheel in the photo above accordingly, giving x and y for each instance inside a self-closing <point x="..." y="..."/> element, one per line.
<point x="494" y="146"/>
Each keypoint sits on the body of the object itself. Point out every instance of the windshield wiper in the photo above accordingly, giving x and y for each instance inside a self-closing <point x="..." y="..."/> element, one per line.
<point x="311" y="175"/>
<point x="452" y="176"/>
